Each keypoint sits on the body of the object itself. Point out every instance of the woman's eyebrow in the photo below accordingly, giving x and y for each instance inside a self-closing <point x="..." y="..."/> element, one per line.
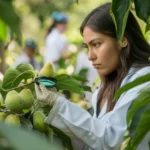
<point x="92" y="41"/>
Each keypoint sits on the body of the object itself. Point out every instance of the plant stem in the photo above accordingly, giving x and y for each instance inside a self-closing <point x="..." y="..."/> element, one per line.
<point x="17" y="87"/>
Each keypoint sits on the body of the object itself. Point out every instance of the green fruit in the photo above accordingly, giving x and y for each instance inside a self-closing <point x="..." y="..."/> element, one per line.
<point x="75" y="97"/>
<point x="47" y="70"/>
<point x="28" y="98"/>
<point x="61" y="71"/>
<point x="83" y="104"/>
<point x="38" y="121"/>
<point x="14" y="101"/>
<point x="2" y="116"/>
<point x="12" y="120"/>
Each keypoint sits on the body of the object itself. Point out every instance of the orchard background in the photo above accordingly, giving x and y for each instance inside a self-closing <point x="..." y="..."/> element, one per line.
<point x="22" y="19"/>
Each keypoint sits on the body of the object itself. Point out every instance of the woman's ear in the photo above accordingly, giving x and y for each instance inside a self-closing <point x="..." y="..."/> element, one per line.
<point x="124" y="42"/>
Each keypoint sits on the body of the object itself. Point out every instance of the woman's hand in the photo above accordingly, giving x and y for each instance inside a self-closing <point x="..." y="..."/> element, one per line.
<point x="46" y="95"/>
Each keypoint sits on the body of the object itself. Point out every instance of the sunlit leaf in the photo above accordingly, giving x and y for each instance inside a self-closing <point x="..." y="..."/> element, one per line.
<point x="119" y="12"/>
<point x="142" y="99"/>
<point x="142" y="127"/>
<point x="131" y="85"/>
<point x="3" y="31"/>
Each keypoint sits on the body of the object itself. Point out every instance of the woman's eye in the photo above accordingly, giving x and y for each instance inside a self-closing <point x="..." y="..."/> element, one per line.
<point x="96" y="45"/>
<point x="85" y="47"/>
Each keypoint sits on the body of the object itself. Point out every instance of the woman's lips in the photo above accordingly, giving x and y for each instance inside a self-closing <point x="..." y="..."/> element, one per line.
<point x="96" y="65"/>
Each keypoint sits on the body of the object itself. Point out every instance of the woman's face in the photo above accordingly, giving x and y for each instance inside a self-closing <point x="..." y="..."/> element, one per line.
<point x="103" y="51"/>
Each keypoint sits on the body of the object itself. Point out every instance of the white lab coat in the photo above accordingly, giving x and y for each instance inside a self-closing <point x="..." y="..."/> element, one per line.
<point x="55" y="45"/>
<point x="23" y="58"/>
<point x="104" y="132"/>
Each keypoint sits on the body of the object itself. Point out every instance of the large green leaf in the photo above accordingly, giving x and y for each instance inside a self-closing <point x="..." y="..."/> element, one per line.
<point x="10" y="17"/>
<point x="3" y="31"/>
<point x="23" y="140"/>
<point x="142" y="128"/>
<point x="131" y="85"/>
<point x="142" y="9"/>
<point x="142" y="99"/>
<point x="13" y="77"/>
<point x="66" y="82"/>
<point x="119" y="12"/>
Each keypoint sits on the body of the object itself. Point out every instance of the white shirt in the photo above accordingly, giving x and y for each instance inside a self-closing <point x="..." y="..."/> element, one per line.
<point x="55" y="44"/>
<point x="104" y="132"/>
<point x="23" y="58"/>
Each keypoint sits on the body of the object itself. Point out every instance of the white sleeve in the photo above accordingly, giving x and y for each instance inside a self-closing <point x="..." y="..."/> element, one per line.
<point x="105" y="133"/>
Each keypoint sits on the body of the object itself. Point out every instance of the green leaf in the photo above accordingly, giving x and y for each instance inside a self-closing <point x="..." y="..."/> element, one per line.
<point x="66" y="140"/>
<point x="13" y="77"/>
<point x="142" y="99"/>
<point x="87" y="88"/>
<point x="80" y="78"/>
<point x="25" y="140"/>
<point x="142" y="129"/>
<point x="142" y="9"/>
<point x="147" y="28"/>
<point x="3" y="31"/>
<point x="9" y="76"/>
<point x="131" y="85"/>
<point x="66" y="82"/>
<point x="119" y="12"/>
<point x="10" y="17"/>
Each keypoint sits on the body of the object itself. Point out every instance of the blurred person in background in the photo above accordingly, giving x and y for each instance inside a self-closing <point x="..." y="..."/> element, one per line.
<point x="56" y="45"/>
<point x="28" y="55"/>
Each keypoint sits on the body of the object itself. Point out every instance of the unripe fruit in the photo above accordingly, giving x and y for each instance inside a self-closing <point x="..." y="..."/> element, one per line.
<point x="47" y="70"/>
<point x="38" y="121"/>
<point x="14" y="101"/>
<point x="28" y="98"/>
<point x="12" y="120"/>
<point x="83" y="104"/>
<point x="2" y="116"/>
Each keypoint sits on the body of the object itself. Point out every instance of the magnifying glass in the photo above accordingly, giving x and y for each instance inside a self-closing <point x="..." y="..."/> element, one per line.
<point x="46" y="81"/>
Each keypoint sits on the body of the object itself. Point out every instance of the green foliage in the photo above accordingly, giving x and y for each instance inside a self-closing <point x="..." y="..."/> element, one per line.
<point x="140" y="127"/>
<point x="3" y="31"/>
<point x="13" y="77"/>
<point x="131" y="85"/>
<point x="119" y="12"/>
<point x="65" y="139"/>
<point x="143" y="11"/>
<point x="142" y="100"/>
<point x="10" y="18"/>
<point x="66" y="82"/>
<point x="24" y="140"/>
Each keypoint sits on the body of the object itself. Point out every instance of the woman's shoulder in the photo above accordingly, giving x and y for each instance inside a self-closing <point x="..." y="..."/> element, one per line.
<point x="134" y="73"/>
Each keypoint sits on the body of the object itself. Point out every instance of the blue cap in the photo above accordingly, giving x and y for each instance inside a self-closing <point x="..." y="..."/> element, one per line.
<point x="59" y="16"/>
<point x="31" y="44"/>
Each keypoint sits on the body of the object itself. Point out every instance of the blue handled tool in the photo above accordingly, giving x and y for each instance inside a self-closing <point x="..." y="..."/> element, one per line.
<point x="47" y="81"/>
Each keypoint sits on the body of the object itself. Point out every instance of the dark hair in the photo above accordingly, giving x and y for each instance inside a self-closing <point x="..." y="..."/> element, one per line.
<point x="136" y="53"/>
<point x="54" y="24"/>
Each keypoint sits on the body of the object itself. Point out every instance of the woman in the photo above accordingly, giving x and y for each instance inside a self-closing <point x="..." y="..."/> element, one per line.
<point x="117" y="64"/>
<point x="56" y="43"/>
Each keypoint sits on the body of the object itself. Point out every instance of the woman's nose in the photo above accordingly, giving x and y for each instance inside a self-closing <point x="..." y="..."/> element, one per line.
<point x="91" y="55"/>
